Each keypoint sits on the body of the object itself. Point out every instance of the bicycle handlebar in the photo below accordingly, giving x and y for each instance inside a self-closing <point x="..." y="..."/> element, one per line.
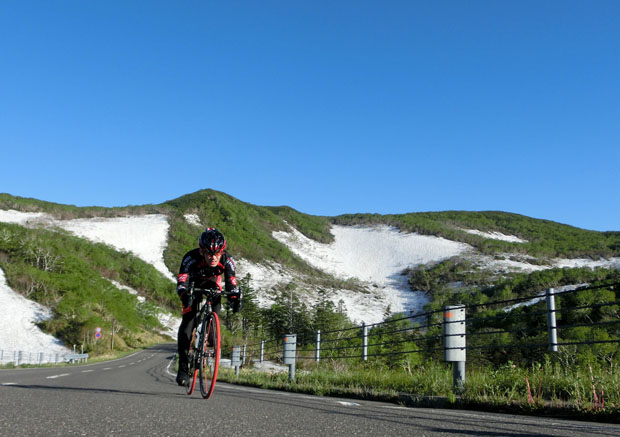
<point x="210" y="292"/>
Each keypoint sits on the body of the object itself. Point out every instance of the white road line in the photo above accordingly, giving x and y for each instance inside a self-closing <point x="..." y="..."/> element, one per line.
<point x="131" y="364"/>
<point x="168" y="366"/>
<point x="58" y="376"/>
<point x="124" y="365"/>
<point x="87" y="371"/>
<point x="9" y="383"/>
<point x="348" y="404"/>
<point x="107" y="368"/>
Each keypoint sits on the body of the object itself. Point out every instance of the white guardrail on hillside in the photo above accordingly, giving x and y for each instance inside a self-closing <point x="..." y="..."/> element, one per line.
<point x="23" y="357"/>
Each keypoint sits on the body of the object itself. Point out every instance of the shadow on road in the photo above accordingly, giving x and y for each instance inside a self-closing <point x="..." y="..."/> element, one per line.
<point x="94" y="390"/>
<point x="446" y="422"/>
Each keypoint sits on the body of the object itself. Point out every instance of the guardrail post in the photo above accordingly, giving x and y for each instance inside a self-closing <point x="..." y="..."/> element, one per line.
<point x="262" y="350"/>
<point x="290" y="348"/>
<point x="317" y="352"/>
<point x="364" y="342"/>
<point x="551" y="322"/>
<point x="454" y="343"/>
<point x="235" y="359"/>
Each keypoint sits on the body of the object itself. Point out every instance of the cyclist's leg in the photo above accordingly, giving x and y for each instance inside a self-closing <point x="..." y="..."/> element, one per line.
<point x="216" y="306"/>
<point x="183" y="343"/>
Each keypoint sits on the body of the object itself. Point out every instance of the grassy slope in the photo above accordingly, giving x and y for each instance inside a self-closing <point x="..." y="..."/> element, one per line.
<point x="66" y="274"/>
<point x="247" y="228"/>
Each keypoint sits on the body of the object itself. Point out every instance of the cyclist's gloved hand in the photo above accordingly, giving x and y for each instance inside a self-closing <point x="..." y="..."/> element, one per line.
<point x="234" y="298"/>
<point x="187" y="299"/>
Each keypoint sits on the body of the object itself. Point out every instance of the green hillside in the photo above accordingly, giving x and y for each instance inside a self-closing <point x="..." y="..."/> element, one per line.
<point x="71" y="276"/>
<point x="247" y="228"/>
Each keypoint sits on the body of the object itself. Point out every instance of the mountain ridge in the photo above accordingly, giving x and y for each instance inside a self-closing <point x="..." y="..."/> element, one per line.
<point x="450" y="224"/>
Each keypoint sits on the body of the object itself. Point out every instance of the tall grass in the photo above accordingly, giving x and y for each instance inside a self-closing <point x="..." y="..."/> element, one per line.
<point x="547" y="388"/>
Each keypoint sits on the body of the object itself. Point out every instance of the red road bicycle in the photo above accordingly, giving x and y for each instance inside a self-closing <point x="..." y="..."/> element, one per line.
<point x="204" y="350"/>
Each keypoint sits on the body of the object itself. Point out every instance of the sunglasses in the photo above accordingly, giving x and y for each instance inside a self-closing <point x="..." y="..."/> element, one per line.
<point x="207" y="252"/>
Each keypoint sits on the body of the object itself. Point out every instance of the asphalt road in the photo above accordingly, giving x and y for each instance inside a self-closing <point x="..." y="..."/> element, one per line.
<point x="137" y="395"/>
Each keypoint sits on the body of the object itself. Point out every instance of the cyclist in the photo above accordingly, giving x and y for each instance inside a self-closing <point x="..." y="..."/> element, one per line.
<point x="204" y="266"/>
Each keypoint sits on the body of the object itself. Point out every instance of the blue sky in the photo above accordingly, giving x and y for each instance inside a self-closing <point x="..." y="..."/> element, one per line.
<point x="330" y="107"/>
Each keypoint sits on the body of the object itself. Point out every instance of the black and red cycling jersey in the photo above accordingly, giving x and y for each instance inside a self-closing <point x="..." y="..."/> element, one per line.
<point x="195" y="269"/>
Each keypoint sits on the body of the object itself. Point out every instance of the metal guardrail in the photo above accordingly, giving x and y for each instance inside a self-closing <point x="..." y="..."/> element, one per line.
<point x="18" y="358"/>
<point x="386" y="341"/>
<point x="76" y="358"/>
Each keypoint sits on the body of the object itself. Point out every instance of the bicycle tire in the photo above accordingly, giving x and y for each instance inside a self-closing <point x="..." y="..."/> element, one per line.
<point x="210" y="356"/>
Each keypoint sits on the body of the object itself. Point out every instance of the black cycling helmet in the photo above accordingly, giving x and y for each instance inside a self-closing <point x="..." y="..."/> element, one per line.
<point x="212" y="241"/>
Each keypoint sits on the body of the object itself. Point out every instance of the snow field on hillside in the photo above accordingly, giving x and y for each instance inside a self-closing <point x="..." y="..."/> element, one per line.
<point x="144" y="236"/>
<point x="193" y="219"/>
<point x="18" y="318"/>
<point x="496" y="236"/>
<point x="376" y="256"/>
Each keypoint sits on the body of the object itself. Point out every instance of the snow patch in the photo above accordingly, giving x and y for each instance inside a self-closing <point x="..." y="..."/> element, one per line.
<point x="496" y="236"/>
<point x="171" y="324"/>
<point x="373" y="254"/>
<point x="610" y="263"/>
<point x="377" y="256"/>
<point x="193" y="219"/>
<point x="22" y="218"/>
<point x="18" y="330"/>
<point x="127" y="289"/>
<point x="556" y="290"/>
<point x="263" y="279"/>
<point x="144" y="236"/>
<point x="492" y="263"/>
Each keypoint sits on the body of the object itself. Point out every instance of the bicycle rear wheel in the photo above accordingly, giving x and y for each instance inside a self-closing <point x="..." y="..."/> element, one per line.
<point x="210" y="359"/>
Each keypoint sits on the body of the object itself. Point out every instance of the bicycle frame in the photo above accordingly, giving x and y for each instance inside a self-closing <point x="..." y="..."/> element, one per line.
<point x="205" y="344"/>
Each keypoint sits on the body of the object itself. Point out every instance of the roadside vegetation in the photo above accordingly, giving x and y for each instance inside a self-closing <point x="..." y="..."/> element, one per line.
<point x="503" y="373"/>
<point x="546" y="389"/>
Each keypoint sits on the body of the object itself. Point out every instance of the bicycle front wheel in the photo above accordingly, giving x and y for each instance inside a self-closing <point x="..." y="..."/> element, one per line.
<point x="210" y="360"/>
